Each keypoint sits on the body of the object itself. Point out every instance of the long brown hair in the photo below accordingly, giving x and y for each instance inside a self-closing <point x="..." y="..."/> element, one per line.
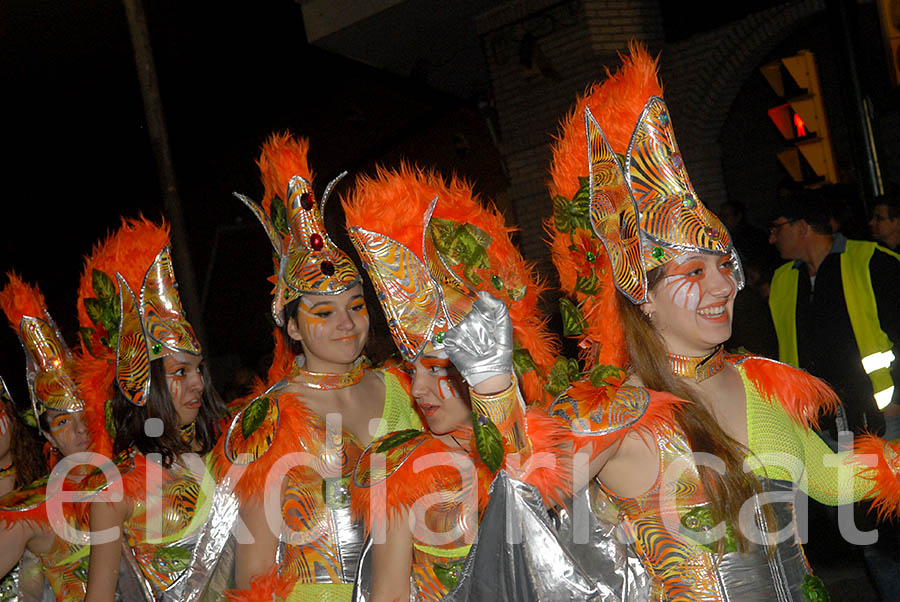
<point x="25" y="447"/>
<point x="129" y="419"/>
<point x="726" y="492"/>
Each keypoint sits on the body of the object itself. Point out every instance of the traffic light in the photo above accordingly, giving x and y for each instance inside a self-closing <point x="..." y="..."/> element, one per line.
<point x="808" y="156"/>
<point x="889" y="15"/>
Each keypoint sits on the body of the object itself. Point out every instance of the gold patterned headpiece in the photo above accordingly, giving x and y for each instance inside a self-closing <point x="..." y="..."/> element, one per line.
<point x="48" y="361"/>
<point x="152" y="326"/>
<point x="308" y="262"/>
<point x="430" y="246"/>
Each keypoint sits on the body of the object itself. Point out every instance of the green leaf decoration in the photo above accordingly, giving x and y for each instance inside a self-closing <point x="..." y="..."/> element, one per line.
<point x="102" y="284"/>
<point x="573" y="321"/>
<point x="28" y="417"/>
<point x="110" y="423"/>
<point x="171" y="559"/>
<point x="565" y="370"/>
<point x="278" y="212"/>
<point x="94" y="308"/>
<point x="605" y="374"/>
<point x="589" y="285"/>
<point x="86" y="334"/>
<point x="448" y="573"/>
<point x="462" y="244"/>
<point x="396" y="439"/>
<point x="488" y="442"/>
<point x="253" y="416"/>
<point x="700" y="520"/>
<point x="522" y="361"/>
<point x="814" y="589"/>
<point x="575" y="213"/>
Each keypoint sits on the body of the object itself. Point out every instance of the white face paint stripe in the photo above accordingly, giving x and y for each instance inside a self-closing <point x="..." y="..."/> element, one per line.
<point x="5" y="422"/>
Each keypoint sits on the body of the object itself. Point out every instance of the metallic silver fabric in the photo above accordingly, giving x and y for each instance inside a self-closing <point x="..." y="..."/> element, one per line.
<point x="9" y="586"/>
<point x="589" y="531"/>
<point x="754" y="576"/>
<point x="516" y="556"/>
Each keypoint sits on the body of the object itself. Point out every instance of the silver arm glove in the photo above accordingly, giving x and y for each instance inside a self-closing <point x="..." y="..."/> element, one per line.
<point x="481" y="345"/>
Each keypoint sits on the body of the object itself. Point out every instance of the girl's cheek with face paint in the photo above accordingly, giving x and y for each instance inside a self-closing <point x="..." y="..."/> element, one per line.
<point x="5" y="423"/>
<point x="684" y="291"/>
<point x="445" y="388"/>
<point x="313" y="325"/>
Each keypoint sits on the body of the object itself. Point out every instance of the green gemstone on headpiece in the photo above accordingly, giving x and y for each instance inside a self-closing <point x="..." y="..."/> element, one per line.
<point x="287" y="294"/>
<point x="658" y="253"/>
<point x="498" y="284"/>
<point x="591" y="257"/>
<point x="157" y="348"/>
<point x="439" y="337"/>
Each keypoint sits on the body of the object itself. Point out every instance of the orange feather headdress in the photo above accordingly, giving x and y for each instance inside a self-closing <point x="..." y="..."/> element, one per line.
<point x="618" y="179"/>
<point x="129" y="314"/>
<point x="307" y="261"/>
<point x="430" y="246"/>
<point x="48" y="361"/>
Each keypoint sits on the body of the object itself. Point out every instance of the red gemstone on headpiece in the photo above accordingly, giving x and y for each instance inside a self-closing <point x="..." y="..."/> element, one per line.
<point x="306" y="201"/>
<point x="316" y="242"/>
<point x="677" y="161"/>
<point x="327" y="268"/>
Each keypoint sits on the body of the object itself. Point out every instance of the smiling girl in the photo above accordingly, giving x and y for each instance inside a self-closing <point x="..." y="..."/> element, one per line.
<point x="295" y="445"/>
<point x="699" y="450"/>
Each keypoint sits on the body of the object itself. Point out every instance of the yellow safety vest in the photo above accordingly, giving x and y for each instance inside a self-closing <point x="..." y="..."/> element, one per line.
<point x="875" y="348"/>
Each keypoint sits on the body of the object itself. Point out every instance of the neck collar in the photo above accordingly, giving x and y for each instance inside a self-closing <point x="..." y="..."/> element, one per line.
<point x="698" y="368"/>
<point x="188" y="432"/>
<point x="327" y="381"/>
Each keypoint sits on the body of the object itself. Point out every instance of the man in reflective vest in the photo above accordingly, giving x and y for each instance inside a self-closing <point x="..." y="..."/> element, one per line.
<point x="836" y="310"/>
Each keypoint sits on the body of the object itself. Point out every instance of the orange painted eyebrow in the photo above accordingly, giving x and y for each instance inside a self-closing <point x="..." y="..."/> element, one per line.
<point x="329" y="301"/>
<point x="430" y="362"/>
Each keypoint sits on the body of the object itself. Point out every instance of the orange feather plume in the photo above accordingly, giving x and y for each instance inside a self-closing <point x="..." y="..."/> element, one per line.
<point x="129" y="251"/>
<point x="616" y="104"/>
<point x="264" y="588"/>
<point x="19" y="299"/>
<point x="282" y="157"/>
<point x="394" y="203"/>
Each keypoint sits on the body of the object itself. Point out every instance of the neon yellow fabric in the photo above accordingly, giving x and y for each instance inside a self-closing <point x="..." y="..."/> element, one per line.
<point x="398" y="413"/>
<point x="321" y="592"/>
<point x="861" y="307"/>
<point x="783" y="305"/>
<point x="782" y="449"/>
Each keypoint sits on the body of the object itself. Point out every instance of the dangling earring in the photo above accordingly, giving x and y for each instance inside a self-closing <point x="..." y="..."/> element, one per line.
<point x="648" y="315"/>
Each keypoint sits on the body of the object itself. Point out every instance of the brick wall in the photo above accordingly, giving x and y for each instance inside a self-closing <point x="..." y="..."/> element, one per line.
<point x="573" y="41"/>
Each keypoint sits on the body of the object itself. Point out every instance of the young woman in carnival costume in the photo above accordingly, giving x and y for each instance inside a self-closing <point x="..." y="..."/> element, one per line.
<point x="149" y="402"/>
<point x="27" y="522"/>
<point x="295" y="446"/>
<point x="619" y="179"/>
<point x="462" y="308"/>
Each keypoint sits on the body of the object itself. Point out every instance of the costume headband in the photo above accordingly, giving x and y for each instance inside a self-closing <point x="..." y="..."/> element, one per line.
<point x="152" y="326"/>
<point x="48" y="361"/>
<point x="308" y="262"/>
<point x="429" y="247"/>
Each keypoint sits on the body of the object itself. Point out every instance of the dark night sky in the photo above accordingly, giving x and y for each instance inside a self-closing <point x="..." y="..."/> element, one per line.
<point x="77" y="152"/>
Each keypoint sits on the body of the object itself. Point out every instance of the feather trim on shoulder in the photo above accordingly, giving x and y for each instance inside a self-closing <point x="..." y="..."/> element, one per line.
<point x="549" y="468"/>
<point x="286" y="425"/>
<point x="803" y="396"/>
<point x="884" y="473"/>
<point x="378" y="501"/>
